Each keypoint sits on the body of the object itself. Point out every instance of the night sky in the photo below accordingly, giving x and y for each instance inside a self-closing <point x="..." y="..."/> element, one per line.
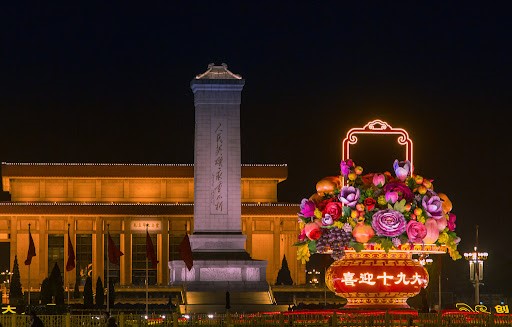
<point x="110" y="83"/>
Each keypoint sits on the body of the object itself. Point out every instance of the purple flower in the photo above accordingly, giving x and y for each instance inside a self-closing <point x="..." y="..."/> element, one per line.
<point x="345" y="167"/>
<point x="388" y="222"/>
<point x="403" y="191"/>
<point x="402" y="169"/>
<point x="433" y="206"/>
<point x="307" y="208"/>
<point x="327" y="220"/>
<point x="349" y="196"/>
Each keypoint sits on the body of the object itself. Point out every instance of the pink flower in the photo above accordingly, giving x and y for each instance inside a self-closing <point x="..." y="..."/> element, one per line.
<point x="302" y="235"/>
<point x="416" y="231"/>
<point x="307" y="208"/>
<point x="345" y="167"/>
<point x="451" y="221"/>
<point x="379" y="180"/>
<point x="391" y="197"/>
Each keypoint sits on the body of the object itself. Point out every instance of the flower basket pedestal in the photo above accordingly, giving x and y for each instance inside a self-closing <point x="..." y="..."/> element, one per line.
<point x="376" y="279"/>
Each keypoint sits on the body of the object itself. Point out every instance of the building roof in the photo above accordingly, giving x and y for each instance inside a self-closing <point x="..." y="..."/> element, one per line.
<point x="113" y="170"/>
<point x="218" y="72"/>
<point x="135" y="209"/>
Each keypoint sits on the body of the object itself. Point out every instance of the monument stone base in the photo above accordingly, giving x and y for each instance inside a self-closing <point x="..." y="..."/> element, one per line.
<point x="220" y="275"/>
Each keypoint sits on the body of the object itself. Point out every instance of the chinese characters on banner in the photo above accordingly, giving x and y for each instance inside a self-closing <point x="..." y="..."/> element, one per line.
<point x="219" y="191"/>
<point x="350" y="279"/>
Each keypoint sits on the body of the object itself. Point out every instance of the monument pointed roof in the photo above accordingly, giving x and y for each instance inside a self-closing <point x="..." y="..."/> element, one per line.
<point x="218" y="72"/>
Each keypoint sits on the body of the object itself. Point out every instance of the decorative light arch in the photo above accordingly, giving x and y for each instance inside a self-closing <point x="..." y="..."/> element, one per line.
<point x="378" y="127"/>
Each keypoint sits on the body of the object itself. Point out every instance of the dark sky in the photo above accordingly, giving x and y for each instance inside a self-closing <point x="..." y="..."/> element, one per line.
<point x="110" y="83"/>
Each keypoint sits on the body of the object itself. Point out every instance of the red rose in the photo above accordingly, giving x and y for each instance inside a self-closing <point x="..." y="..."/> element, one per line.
<point x="322" y="204"/>
<point x="335" y="209"/>
<point x="369" y="203"/>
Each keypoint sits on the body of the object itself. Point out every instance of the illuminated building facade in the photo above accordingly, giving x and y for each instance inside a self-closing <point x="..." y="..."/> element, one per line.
<point x="91" y="198"/>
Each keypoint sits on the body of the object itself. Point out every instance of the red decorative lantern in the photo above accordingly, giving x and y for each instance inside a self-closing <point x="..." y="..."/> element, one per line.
<point x="376" y="278"/>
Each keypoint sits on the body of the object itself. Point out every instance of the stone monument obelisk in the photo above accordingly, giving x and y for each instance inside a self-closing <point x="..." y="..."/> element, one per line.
<point x="218" y="245"/>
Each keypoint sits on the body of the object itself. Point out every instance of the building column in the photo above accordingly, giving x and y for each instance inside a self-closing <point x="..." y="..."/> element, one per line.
<point x="163" y="253"/>
<point x="98" y="255"/>
<point x="42" y="253"/>
<point x="276" y="251"/>
<point x="126" y="259"/>
<point x="249" y="227"/>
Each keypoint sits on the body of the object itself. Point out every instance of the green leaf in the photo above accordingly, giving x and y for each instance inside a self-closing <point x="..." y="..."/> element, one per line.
<point x="312" y="247"/>
<point x="400" y="206"/>
<point x="346" y="211"/>
<point x="386" y="244"/>
<point x="358" y="247"/>
<point x="299" y="243"/>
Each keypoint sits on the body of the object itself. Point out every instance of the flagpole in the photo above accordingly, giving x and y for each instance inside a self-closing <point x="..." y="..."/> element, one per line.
<point x="29" y="270"/>
<point x="185" y="285"/>
<point x="108" y="274"/>
<point x="147" y="276"/>
<point x="66" y="276"/>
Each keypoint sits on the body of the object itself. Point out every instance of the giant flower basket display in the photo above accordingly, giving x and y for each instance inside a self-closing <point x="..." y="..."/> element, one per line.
<point x="372" y="224"/>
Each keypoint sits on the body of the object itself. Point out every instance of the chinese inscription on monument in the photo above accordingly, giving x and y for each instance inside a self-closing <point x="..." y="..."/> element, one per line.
<point x="218" y="197"/>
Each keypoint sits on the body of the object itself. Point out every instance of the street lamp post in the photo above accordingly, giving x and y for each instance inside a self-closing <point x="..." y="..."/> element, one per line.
<point x="476" y="267"/>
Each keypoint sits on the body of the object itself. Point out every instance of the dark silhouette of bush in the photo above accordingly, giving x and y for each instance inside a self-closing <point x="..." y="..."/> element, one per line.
<point x="88" y="296"/>
<point x="100" y="292"/>
<point x="46" y="291"/>
<point x="16" y="292"/>
<point x="111" y="294"/>
<point x="57" y="285"/>
<point x="283" y="276"/>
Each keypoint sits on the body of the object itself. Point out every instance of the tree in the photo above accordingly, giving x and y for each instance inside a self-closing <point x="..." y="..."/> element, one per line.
<point x="283" y="276"/>
<point x="88" y="297"/>
<point x="100" y="292"/>
<point x="16" y="292"/>
<point x="57" y="284"/>
<point x="111" y="294"/>
<point x="46" y="291"/>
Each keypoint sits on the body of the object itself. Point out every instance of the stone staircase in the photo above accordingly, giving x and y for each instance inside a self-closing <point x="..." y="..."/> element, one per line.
<point x="241" y="302"/>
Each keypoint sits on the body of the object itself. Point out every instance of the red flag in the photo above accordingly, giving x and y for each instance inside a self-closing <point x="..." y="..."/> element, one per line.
<point x="150" y="251"/>
<point x="186" y="252"/>
<point x="31" y="249"/>
<point x="113" y="252"/>
<point x="70" y="265"/>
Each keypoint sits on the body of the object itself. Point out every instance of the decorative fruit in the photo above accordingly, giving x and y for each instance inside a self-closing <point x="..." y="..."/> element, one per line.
<point x="422" y="189"/>
<point x="441" y="223"/>
<point x="358" y="170"/>
<point x="363" y="233"/>
<point x="313" y="231"/>
<point x="432" y="231"/>
<point x="427" y="183"/>
<point x="418" y="179"/>
<point x="447" y="204"/>
<point x="317" y="198"/>
<point x="327" y="185"/>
